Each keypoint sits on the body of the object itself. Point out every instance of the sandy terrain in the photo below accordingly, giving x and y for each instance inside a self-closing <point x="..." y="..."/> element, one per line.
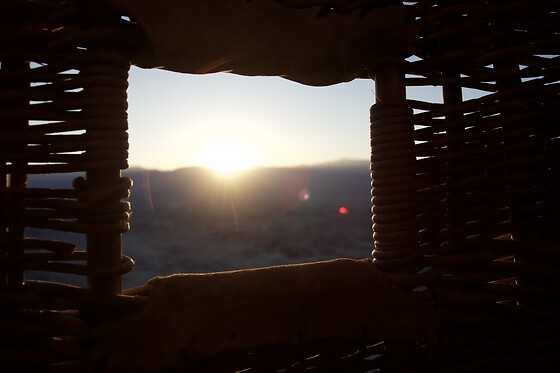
<point x="190" y="221"/>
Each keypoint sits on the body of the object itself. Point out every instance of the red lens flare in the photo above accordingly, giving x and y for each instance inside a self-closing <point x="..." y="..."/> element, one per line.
<point x="343" y="210"/>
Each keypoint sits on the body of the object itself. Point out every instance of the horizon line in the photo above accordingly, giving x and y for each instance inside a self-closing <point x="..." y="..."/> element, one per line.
<point x="302" y="165"/>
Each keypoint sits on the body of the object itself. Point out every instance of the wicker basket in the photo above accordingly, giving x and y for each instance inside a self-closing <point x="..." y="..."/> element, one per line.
<point x="465" y="191"/>
<point x="465" y="195"/>
<point x="63" y="81"/>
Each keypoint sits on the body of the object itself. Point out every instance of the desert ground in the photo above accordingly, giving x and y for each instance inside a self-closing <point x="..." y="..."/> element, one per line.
<point x="192" y="220"/>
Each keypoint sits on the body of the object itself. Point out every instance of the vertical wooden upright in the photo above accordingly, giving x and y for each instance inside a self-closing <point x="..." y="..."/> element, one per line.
<point x="107" y="82"/>
<point x="16" y="175"/>
<point x="103" y="176"/>
<point x="393" y="170"/>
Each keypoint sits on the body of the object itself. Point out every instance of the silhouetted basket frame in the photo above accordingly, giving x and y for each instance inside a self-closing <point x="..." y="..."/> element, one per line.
<point x="465" y="195"/>
<point x="63" y="80"/>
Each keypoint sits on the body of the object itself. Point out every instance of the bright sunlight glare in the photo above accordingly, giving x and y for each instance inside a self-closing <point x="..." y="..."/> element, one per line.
<point x="227" y="156"/>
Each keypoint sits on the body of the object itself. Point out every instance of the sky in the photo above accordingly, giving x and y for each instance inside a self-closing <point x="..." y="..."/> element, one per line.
<point x="181" y="120"/>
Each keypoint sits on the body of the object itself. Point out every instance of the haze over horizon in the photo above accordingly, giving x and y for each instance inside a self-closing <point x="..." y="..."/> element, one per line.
<point x="326" y="164"/>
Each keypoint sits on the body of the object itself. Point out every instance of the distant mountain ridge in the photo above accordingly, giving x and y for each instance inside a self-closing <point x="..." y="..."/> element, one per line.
<point x="341" y="163"/>
<point x="191" y="220"/>
<point x="267" y="189"/>
<point x="345" y="163"/>
<point x="271" y="188"/>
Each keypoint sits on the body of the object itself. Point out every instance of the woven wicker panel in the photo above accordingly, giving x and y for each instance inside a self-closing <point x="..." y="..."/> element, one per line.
<point x="466" y="187"/>
<point x="63" y="83"/>
<point x="325" y="356"/>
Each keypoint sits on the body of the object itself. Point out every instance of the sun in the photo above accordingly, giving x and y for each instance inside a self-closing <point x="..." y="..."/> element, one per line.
<point x="227" y="156"/>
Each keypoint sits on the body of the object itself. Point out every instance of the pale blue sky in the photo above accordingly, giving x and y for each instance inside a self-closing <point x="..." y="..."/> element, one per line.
<point x="173" y="117"/>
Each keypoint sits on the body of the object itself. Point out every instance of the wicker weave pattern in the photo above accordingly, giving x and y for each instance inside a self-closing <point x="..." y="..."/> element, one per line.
<point x="62" y="110"/>
<point x="465" y="190"/>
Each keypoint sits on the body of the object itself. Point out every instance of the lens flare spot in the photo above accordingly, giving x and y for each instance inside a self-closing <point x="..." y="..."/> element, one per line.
<point x="343" y="210"/>
<point x="304" y="194"/>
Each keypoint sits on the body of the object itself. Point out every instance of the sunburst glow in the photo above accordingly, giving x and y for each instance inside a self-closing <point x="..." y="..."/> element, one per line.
<point x="227" y="156"/>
